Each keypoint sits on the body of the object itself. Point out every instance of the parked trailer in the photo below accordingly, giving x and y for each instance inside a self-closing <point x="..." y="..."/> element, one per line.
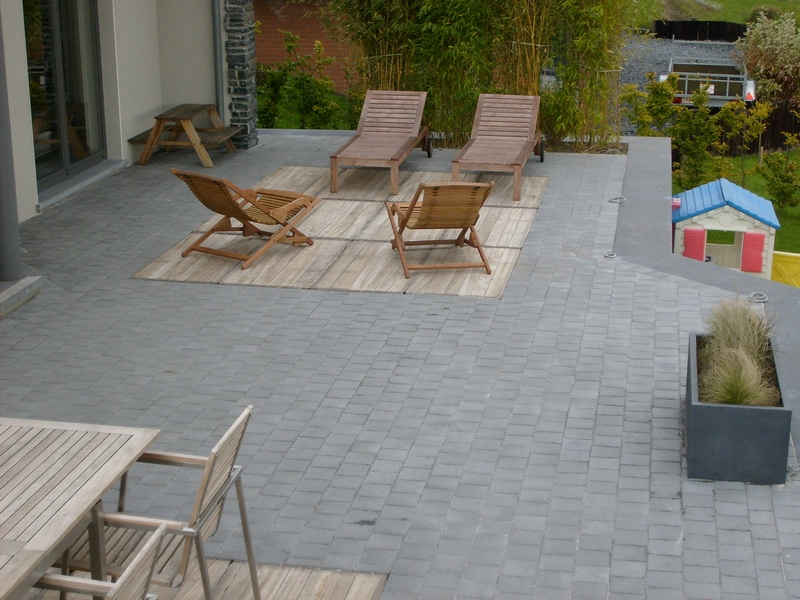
<point x="726" y="80"/>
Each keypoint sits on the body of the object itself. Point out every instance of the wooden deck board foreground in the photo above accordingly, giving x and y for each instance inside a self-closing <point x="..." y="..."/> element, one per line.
<point x="231" y="581"/>
<point x="351" y="234"/>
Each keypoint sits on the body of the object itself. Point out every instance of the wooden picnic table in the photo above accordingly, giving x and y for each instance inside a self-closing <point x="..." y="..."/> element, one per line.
<point x="52" y="478"/>
<point x="177" y="121"/>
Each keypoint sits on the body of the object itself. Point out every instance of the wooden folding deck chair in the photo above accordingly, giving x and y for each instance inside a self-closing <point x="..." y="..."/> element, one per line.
<point x="503" y="137"/>
<point x="252" y="208"/>
<point x="125" y="532"/>
<point x="389" y="129"/>
<point x="131" y="585"/>
<point x="440" y="206"/>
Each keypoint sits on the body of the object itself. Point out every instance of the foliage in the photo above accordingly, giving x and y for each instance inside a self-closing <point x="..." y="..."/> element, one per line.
<point x="269" y="82"/>
<point x="32" y="12"/>
<point x="695" y="135"/>
<point x="704" y="140"/>
<point x="781" y="175"/>
<point x="770" y="12"/>
<point x="382" y="31"/>
<point x="459" y="49"/>
<point x="651" y="111"/>
<point x="741" y="127"/>
<point x="301" y="81"/>
<point x="736" y="357"/>
<point x="771" y="52"/>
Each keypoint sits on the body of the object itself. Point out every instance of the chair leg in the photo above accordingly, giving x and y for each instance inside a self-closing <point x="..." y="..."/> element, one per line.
<point x="398" y="241"/>
<point x="456" y="171"/>
<point x="394" y="175"/>
<point x="474" y="241"/>
<point x="334" y="175"/>
<point x="248" y="544"/>
<point x="517" y="183"/>
<point x="203" y="565"/>
<point x="62" y="595"/>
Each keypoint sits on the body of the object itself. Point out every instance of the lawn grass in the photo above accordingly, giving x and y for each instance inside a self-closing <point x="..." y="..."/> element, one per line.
<point x="734" y="11"/>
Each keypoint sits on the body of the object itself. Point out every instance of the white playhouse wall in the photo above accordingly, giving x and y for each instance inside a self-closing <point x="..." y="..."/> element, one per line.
<point x="728" y="218"/>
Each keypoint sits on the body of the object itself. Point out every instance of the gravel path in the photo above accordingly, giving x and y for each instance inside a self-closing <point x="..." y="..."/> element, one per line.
<point x="644" y="54"/>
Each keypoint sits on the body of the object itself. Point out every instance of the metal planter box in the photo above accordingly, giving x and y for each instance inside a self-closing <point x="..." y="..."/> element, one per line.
<point x="731" y="442"/>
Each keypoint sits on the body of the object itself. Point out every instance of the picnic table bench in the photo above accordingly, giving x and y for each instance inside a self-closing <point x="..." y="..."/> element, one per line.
<point x="177" y="121"/>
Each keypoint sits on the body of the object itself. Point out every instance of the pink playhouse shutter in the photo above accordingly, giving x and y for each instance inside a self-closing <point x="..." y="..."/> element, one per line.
<point x="753" y="252"/>
<point x="694" y="244"/>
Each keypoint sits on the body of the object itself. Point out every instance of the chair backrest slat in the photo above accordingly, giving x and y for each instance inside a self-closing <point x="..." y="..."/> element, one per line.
<point x="214" y="193"/>
<point x="506" y="116"/>
<point x="390" y="112"/>
<point x="449" y="205"/>
<point x="133" y="583"/>
<point x="218" y="469"/>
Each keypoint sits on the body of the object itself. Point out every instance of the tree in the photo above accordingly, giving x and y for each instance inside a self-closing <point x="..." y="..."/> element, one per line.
<point x="770" y="49"/>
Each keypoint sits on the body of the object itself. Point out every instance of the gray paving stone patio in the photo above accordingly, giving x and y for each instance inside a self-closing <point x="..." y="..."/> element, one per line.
<point x="471" y="448"/>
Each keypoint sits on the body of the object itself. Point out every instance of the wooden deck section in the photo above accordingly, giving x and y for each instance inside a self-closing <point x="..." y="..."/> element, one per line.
<point x="351" y="234"/>
<point x="231" y="581"/>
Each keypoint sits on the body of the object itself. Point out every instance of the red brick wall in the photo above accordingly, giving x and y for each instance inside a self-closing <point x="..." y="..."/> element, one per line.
<point x="301" y="19"/>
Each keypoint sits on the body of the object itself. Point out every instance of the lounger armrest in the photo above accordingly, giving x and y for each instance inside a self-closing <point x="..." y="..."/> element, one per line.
<point x="524" y="152"/>
<point x="139" y="522"/>
<point x="410" y="143"/>
<point x="344" y="147"/>
<point x="284" y="210"/>
<point x="174" y="459"/>
<point x="76" y="585"/>
<point x="463" y="151"/>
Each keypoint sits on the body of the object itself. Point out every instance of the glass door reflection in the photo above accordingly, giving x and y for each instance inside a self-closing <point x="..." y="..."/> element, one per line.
<point x="63" y="68"/>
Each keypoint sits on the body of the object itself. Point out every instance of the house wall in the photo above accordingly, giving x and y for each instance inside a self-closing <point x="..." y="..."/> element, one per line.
<point x="129" y="50"/>
<point x="186" y="47"/>
<point x="154" y="54"/>
<point x="728" y="219"/>
<point x="21" y="143"/>
<point x="300" y="18"/>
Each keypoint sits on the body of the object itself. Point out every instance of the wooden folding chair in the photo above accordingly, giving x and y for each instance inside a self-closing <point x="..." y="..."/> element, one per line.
<point x="503" y="137"/>
<point x="131" y="585"/>
<point x="389" y="129"/>
<point x="252" y="208"/>
<point x="125" y="532"/>
<point x="440" y="206"/>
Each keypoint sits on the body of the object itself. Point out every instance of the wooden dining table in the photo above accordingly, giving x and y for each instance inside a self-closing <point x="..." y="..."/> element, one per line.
<point x="53" y="476"/>
<point x="179" y="121"/>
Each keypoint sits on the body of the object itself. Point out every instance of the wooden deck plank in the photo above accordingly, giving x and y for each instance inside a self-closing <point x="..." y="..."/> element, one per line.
<point x="351" y="236"/>
<point x="230" y="580"/>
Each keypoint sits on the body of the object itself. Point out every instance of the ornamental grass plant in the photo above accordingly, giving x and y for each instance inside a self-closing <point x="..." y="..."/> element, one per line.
<point x="735" y="364"/>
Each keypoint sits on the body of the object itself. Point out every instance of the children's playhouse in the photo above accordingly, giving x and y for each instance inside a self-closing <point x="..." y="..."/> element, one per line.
<point x="724" y="206"/>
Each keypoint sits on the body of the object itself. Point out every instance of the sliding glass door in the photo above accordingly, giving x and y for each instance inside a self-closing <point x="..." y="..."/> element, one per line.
<point x="66" y="95"/>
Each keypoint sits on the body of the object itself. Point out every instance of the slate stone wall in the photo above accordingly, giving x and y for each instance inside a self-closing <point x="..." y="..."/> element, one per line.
<point x="240" y="49"/>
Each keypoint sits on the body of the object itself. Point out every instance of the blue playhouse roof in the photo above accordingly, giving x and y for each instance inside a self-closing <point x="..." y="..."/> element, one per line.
<point x="717" y="194"/>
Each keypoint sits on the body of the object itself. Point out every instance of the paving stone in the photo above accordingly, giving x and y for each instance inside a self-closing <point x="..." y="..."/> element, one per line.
<point x="527" y="446"/>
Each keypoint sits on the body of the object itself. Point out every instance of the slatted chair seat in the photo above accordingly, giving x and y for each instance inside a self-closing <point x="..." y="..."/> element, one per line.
<point x="281" y="209"/>
<point x="440" y="206"/>
<point x="183" y="544"/>
<point x="388" y="130"/>
<point x="503" y="136"/>
<point x="131" y="583"/>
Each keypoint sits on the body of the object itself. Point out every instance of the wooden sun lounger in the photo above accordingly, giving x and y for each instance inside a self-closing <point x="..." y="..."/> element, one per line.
<point x="389" y="129"/>
<point x="503" y="137"/>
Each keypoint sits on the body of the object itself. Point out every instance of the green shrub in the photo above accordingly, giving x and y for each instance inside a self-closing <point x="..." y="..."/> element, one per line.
<point x="781" y="178"/>
<point x="300" y="80"/>
<point x="771" y="52"/>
